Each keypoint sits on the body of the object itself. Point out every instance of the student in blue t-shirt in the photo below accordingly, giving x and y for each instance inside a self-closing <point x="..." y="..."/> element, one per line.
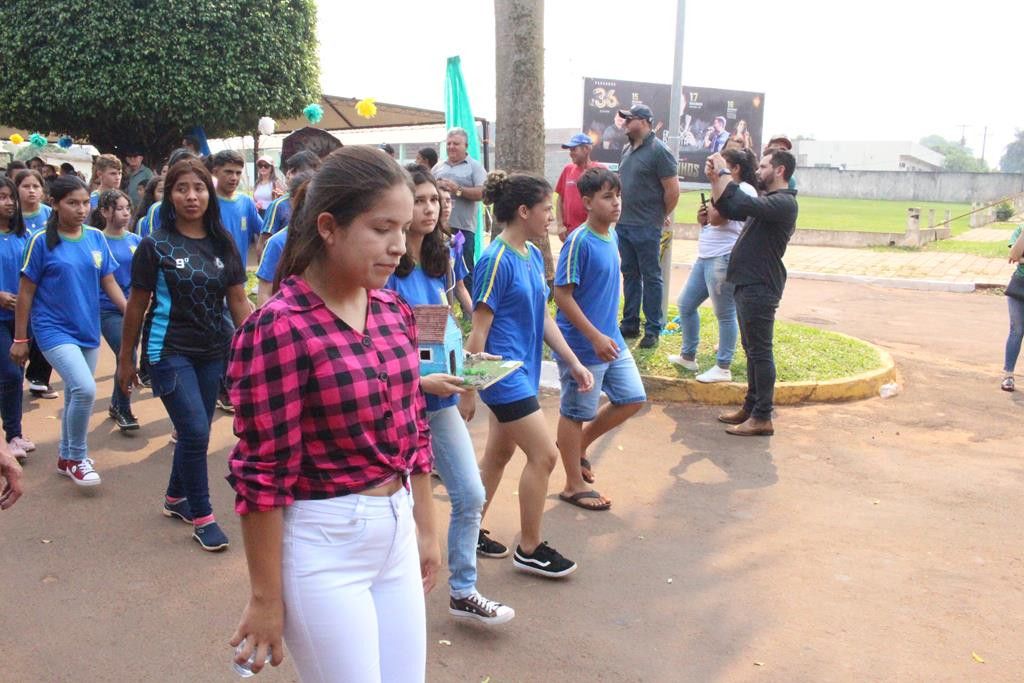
<point x="302" y="165"/>
<point x="13" y="238"/>
<point x="238" y="212"/>
<point x="108" y="169"/>
<point x="511" y="320"/>
<point x="35" y="214"/>
<point x="30" y="193"/>
<point x="64" y="268"/>
<point x="587" y="291"/>
<point x="423" y="277"/>
<point x="115" y="210"/>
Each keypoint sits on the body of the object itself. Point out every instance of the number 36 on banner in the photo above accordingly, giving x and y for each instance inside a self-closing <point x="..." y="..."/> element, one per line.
<point x="604" y="99"/>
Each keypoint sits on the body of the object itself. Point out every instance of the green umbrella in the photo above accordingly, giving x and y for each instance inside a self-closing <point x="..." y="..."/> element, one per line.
<point x="458" y="114"/>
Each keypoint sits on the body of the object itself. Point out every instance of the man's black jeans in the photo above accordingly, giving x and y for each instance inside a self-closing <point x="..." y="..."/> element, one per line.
<point x="755" y="308"/>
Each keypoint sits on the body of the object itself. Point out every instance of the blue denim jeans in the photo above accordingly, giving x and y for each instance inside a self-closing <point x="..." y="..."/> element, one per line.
<point x="10" y="383"/>
<point x="455" y="461"/>
<point x="76" y="366"/>
<point x="188" y="388"/>
<point x="639" y="250"/>
<point x="1013" y="340"/>
<point x="110" y="326"/>
<point x="707" y="279"/>
<point x="618" y="379"/>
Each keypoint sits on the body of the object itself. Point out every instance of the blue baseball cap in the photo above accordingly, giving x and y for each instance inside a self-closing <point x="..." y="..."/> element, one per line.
<point x="577" y="140"/>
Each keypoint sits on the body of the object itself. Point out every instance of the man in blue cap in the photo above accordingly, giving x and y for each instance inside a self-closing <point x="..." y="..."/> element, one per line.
<point x="650" y="191"/>
<point x="571" y="212"/>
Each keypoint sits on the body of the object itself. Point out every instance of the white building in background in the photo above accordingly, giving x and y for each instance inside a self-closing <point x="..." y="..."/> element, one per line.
<point x="866" y="156"/>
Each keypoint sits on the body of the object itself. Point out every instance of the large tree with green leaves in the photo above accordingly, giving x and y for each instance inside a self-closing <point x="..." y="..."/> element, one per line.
<point x="143" y="72"/>
<point x="958" y="158"/>
<point x="1012" y="160"/>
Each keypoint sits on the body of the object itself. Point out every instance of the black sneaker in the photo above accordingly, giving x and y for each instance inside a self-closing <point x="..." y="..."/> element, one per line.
<point x="649" y="341"/>
<point x="144" y="380"/>
<point x="126" y="422"/>
<point x="224" y="403"/>
<point x="488" y="547"/>
<point x="112" y="412"/>
<point x="545" y="561"/>
<point x="477" y="607"/>
<point x="629" y="333"/>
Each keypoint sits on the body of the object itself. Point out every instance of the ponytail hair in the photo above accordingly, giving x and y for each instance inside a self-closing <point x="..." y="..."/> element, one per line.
<point x="348" y="185"/>
<point x="506" y="193"/>
<point x="744" y="159"/>
<point x="17" y="222"/>
<point x="60" y="187"/>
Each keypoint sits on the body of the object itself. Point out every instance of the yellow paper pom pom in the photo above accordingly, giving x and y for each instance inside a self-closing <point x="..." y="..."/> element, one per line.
<point x="366" y="108"/>
<point x="17" y="139"/>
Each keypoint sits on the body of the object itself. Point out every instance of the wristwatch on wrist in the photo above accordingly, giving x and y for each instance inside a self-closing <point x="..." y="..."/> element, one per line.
<point x="724" y="171"/>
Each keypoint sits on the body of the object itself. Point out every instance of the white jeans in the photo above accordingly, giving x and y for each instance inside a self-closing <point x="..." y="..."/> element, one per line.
<point x="354" y="608"/>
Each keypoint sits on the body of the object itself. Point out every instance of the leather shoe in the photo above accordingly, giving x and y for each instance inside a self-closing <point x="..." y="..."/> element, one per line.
<point x="752" y="427"/>
<point x="736" y="418"/>
<point x="649" y="341"/>
<point x="629" y="333"/>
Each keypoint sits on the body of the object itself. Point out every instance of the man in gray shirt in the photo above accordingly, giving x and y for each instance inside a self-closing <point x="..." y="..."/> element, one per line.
<point x="650" y="190"/>
<point x="464" y="178"/>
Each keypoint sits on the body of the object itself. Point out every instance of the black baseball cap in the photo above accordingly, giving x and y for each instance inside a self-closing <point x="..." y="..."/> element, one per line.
<point x="637" y="111"/>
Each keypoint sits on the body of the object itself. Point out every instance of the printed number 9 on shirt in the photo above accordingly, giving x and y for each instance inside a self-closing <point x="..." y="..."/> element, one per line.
<point x="604" y="99"/>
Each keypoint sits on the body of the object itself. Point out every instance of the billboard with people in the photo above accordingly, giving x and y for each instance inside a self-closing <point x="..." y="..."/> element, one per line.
<point x="709" y="117"/>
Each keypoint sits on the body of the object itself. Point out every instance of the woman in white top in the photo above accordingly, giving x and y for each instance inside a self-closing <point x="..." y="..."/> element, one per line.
<point x="707" y="278"/>
<point x="268" y="185"/>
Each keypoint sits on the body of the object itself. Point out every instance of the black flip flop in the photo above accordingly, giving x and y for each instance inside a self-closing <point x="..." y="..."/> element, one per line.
<point x="575" y="499"/>
<point x="585" y="464"/>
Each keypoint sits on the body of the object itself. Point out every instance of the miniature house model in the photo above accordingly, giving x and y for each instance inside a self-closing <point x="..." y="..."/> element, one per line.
<point x="440" y="341"/>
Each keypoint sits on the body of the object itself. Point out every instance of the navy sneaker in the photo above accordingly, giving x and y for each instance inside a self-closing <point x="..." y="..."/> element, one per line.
<point x="210" y="537"/>
<point x="544" y="561"/>
<point x="181" y="510"/>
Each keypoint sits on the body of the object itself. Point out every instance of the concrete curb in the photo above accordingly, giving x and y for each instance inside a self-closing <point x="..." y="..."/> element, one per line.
<point x="679" y="390"/>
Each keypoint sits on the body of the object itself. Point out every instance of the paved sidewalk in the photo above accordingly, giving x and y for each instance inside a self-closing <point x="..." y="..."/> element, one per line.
<point x="985" y="235"/>
<point x="936" y="268"/>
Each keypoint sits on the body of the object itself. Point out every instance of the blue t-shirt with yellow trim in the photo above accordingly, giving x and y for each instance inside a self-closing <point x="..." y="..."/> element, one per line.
<point x="271" y="255"/>
<point x="240" y="218"/>
<point x="512" y="285"/>
<point x="66" y="305"/>
<point x="123" y="249"/>
<point x="12" y="251"/>
<point x="590" y="262"/>
<point x="151" y="221"/>
<point x="278" y="215"/>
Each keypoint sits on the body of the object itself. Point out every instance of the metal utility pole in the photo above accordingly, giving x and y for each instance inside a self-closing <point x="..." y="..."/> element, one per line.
<point x="984" y="139"/>
<point x="673" y="143"/>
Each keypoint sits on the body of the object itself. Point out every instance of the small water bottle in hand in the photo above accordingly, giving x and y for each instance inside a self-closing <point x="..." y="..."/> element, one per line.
<point x="245" y="670"/>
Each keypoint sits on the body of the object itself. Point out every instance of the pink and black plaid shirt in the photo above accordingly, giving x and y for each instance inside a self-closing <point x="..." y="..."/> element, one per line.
<point x="320" y="409"/>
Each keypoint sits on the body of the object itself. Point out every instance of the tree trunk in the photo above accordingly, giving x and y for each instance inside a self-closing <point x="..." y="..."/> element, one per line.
<point x="519" y="56"/>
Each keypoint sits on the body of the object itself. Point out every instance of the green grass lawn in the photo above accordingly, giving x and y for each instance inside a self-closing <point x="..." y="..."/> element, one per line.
<point x="862" y="215"/>
<point x="802" y="353"/>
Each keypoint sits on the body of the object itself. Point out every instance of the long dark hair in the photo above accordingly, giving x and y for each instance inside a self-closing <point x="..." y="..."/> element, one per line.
<point x="434" y="254"/>
<point x="744" y="159"/>
<point x="107" y="200"/>
<point x="148" y="200"/>
<point x="349" y="184"/>
<point x="26" y="173"/>
<point x="17" y="222"/>
<point x="222" y="241"/>
<point x="60" y="188"/>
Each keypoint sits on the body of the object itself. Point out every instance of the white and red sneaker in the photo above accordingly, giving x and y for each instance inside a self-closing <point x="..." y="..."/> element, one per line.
<point x="80" y="471"/>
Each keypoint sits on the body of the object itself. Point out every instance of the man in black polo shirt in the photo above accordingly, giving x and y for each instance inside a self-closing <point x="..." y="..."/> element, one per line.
<point x="650" y="190"/>
<point x="758" y="275"/>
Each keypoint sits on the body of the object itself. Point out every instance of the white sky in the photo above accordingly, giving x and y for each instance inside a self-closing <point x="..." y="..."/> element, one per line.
<point x="867" y="70"/>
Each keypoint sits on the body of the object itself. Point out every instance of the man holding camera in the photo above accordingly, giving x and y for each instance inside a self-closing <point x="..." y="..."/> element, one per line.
<point x="758" y="275"/>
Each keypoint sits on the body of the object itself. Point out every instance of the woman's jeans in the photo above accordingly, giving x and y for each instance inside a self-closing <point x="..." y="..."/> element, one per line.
<point x="10" y="383"/>
<point x="110" y="325"/>
<point x="455" y="461"/>
<point x="76" y="366"/>
<point x="707" y="279"/>
<point x="188" y="388"/>
<point x="354" y="607"/>
<point x="1016" y="334"/>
